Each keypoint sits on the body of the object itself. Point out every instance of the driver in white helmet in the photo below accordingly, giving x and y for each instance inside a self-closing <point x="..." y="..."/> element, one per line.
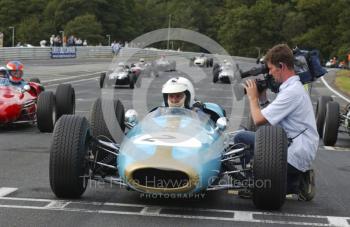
<point x="178" y="92"/>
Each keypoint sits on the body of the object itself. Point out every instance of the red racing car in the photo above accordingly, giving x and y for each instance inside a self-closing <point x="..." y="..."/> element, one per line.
<point x="31" y="104"/>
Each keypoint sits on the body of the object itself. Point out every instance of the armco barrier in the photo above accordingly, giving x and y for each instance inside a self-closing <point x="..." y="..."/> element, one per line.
<point x="43" y="53"/>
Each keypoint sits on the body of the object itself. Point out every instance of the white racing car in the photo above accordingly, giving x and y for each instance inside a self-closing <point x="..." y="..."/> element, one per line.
<point x="223" y="72"/>
<point x="163" y="65"/>
<point x="201" y="61"/>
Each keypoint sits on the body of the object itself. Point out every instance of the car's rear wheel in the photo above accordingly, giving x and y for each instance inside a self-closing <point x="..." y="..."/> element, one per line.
<point x="46" y="111"/>
<point x="331" y="124"/>
<point x="131" y="80"/>
<point x="102" y="79"/>
<point x="321" y="112"/>
<point x="270" y="168"/>
<point x="65" y="100"/>
<point x="69" y="167"/>
<point x="107" y="119"/>
<point x="35" y="80"/>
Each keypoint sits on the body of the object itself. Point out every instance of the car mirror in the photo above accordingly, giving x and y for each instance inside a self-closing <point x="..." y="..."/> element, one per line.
<point x="221" y="123"/>
<point x="131" y="118"/>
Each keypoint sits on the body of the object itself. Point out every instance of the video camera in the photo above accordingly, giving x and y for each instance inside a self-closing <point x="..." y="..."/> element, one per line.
<point x="267" y="83"/>
<point x="306" y="65"/>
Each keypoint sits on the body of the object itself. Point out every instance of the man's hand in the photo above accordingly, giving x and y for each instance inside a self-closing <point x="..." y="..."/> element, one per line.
<point x="253" y="95"/>
<point x="252" y="90"/>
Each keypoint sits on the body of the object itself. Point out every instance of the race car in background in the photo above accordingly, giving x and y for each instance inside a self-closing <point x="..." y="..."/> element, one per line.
<point x="121" y="75"/>
<point x="31" y="104"/>
<point x="223" y="72"/>
<point x="201" y="61"/>
<point x="141" y="68"/>
<point x="162" y="65"/>
<point x="330" y="120"/>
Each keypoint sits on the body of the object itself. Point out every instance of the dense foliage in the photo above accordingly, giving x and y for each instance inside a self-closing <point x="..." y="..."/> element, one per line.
<point x="243" y="27"/>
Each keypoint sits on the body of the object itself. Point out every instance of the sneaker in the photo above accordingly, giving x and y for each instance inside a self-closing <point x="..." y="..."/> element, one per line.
<point x="307" y="186"/>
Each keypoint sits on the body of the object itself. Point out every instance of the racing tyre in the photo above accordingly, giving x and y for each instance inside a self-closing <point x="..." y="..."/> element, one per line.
<point x="46" y="111"/>
<point x="270" y="168"/>
<point x="132" y="81"/>
<point x="211" y="61"/>
<point x="331" y="124"/>
<point x="102" y="79"/>
<point x="321" y="112"/>
<point x="215" y="77"/>
<point x="35" y="80"/>
<point x="107" y="112"/>
<point x="69" y="168"/>
<point x="65" y="100"/>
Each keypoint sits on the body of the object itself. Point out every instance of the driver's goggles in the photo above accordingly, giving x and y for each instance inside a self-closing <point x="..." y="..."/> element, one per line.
<point x="16" y="73"/>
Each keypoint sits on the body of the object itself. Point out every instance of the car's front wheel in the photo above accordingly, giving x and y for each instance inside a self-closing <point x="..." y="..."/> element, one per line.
<point x="46" y="111"/>
<point x="321" y="112"/>
<point x="270" y="168"/>
<point x="331" y="124"/>
<point x="69" y="167"/>
<point x="65" y="100"/>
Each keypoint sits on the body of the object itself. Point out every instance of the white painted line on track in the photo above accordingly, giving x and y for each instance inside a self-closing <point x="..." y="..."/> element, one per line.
<point x="156" y="211"/>
<point x="337" y="221"/>
<point x="72" y="82"/>
<point x="335" y="148"/>
<point x="71" y="77"/>
<point x="334" y="91"/>
<point x="151" y="210"/>
<point x="6" y="191"/>
<point x="57" y="204"/>
<point x="244" y="215"/>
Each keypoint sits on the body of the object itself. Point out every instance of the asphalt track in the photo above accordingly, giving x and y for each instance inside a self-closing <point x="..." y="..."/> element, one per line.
<point x="27" y="200"/>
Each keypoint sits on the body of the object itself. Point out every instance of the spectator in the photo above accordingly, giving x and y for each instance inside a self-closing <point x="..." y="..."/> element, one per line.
<point x="79" y="42"/>
<point x="71" y="41"/>
<point x="42" y="43"/>
<point x="52" y="40"/>
<point x="85" y="43"/>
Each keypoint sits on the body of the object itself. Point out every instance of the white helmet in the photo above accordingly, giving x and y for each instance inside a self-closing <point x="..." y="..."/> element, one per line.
<point x="142" y="60"/>
<point x="177" y="85"/>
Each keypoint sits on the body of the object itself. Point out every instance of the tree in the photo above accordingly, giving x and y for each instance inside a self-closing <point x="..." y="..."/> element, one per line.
<point x="85" y="27"/>
<point x="29" y="31"/>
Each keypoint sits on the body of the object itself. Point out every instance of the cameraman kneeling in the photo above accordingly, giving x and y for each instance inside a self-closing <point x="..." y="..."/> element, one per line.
<point x="292" y="110"/>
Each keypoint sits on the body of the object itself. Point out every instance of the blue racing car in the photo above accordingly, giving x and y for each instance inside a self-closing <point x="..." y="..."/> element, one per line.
<point x="170" y="151"/>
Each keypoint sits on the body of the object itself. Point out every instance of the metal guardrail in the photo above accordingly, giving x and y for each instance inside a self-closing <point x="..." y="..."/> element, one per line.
<point x="44" y="53"/>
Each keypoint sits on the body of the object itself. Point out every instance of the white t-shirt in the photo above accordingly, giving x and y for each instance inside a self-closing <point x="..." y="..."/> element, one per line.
<point x="292" y="110"/>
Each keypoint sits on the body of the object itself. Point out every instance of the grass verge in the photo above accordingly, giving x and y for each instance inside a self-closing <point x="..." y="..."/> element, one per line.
<point x="342" y="81"/>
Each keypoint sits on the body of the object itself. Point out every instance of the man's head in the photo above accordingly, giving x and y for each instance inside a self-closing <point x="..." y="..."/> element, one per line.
<point x="280" y="61"/>
<point x="15" y="71"/>
<point x="178" y="92"/>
